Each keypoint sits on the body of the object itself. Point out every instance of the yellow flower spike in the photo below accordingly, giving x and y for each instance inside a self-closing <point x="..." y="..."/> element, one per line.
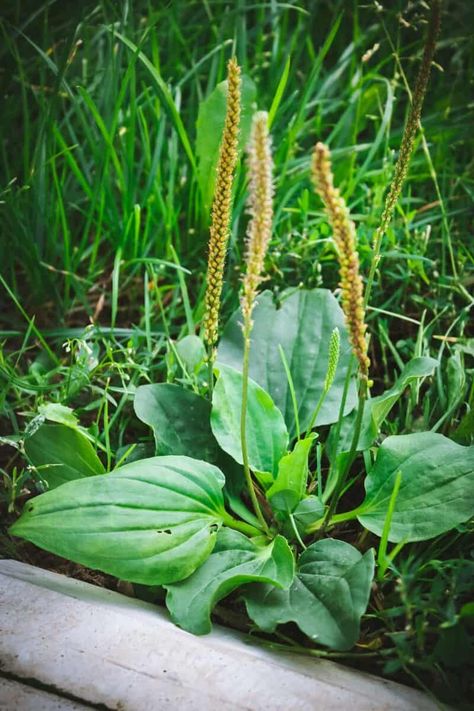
<point x="221" y="206"/>
<point x="345" y="239"/>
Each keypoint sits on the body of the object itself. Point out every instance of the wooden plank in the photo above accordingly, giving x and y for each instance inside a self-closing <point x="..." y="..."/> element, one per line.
<point x="105" y="648"/>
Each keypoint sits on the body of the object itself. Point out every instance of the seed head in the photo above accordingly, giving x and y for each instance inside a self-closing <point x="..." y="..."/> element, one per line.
<point x="345" y="239"/>
<point x="411" y="127"/>
<point x="260" y="168"/>
<point x="221" y="206"/>
<point x="333" y="360"/>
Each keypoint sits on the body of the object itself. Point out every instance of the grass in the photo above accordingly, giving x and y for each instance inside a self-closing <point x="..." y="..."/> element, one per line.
<point x="105" y="231"/>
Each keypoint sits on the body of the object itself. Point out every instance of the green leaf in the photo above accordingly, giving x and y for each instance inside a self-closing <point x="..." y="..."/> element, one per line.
<point x="302" y="326"/>
<point x="290" y="484"/>
<point x="234" y="561"/>
<point x="456" y="374"/>
<point x="267" y="438"/>
<point x="192" y="352"/>
<point x="309" y="510"/>
<point x="435" y="494"/>
<point x="63" y="453"/>
<point x="378" y="408"/>
<point x="209" y="128"/>
<point x="417" y="368"/>
<point x="328" y="596"/>
<point x="180" y="420"/>
<point x="55" y="412"/>
<point x="153" y="521"/>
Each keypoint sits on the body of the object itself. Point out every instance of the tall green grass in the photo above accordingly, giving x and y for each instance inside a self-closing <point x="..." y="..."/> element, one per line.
<point x="100" y="119"/>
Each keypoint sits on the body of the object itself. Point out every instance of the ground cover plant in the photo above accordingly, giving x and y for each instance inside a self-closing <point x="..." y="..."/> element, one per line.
<point x="335" y="518"/>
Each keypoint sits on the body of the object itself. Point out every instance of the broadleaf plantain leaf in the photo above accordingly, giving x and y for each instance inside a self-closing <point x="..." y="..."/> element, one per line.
<point x="152" y="521"/>
<point x="234" y="561"/>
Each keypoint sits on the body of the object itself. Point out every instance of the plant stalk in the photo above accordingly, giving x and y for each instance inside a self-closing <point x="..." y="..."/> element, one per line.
<point x="243" y="434"/>
<point x="210" y="371"/>
<point x="351" y="456"/>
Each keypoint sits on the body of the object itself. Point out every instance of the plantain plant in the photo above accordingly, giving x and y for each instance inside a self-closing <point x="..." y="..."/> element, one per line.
<point x="246" y="490"/>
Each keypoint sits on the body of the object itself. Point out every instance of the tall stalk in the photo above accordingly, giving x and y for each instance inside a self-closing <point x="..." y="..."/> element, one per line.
<point x="352" y="295"/>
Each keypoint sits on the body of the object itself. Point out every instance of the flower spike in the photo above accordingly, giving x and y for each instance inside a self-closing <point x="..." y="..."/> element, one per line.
<point x="345" y="239"/>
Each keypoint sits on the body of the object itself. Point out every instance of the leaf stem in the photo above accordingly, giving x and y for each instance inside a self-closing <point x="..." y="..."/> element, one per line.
<point x="329" y="486"/>
<point x="335" y="519"/>
<point x="243" y="433"/>
<point x="241" y="526"/>
<point x="341" y="480"/>
<point x="382" y="552"/>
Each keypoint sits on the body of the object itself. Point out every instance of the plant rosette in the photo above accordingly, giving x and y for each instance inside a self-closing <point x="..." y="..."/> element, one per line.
<point x="181" y="519"/>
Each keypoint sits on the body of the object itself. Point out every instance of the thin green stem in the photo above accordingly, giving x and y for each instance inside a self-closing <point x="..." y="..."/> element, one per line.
<point x="296" y="532"/>
<point x="341" y="480"/>
<point x="243" y="433"/>
<point x="335" y="519"/>
<point x="329" y="486"/>
<point x="210" y="371"/>
<point x="382" y="552"/>
<point x="292" y="390"/>
<point x="312" y="422"/>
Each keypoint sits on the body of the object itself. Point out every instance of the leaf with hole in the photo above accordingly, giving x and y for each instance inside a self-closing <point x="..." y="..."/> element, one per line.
<point x="235" y="560"/>
<point x="302" y="326"/>
<point x="436" y="490"/>
<point x="153" y="521"/>
<point x="327" y="599"/>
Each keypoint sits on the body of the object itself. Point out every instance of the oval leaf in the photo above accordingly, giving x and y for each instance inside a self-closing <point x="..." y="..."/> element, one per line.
<point x="63" y="453"/>
<point x="180" y="420"/>
<point x="302" y="326"/>
<point x="436" y="488"/>
<point x="267" y="438"/>
<point x="153" y="521"/>
<point x="328" y="596"/>
<point x="234" y="561"/>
